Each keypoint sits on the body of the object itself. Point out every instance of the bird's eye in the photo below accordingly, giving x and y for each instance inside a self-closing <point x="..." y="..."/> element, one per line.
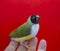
<point x="33" y="17"/>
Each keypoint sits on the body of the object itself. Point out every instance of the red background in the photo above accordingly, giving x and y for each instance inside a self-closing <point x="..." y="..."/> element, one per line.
<point x="14" y="12"/>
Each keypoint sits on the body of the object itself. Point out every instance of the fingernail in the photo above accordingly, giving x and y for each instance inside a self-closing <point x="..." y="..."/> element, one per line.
<point x="42" y="45"/>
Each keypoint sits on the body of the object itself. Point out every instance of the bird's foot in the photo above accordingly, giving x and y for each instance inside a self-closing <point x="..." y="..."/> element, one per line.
<point x="28" y="47"/>
<point x="25" y="44"/>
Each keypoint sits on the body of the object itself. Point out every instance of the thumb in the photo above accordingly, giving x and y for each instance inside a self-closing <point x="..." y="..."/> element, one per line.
<point x="42" y="45"/>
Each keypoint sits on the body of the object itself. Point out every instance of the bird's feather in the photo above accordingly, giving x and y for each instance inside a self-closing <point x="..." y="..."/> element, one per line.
<point x="34" y="30"/>
<point x="22" y="38"/>
<point x="22" y="30"/>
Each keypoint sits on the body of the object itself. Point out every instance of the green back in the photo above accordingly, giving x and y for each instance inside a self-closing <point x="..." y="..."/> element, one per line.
<point x="22" y="30"/>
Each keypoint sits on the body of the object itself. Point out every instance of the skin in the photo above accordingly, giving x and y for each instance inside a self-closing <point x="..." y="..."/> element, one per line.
<point x="32" y="44"/>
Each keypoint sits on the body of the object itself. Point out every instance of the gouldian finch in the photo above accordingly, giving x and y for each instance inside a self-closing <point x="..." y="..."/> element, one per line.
<point x="27" y="30"/>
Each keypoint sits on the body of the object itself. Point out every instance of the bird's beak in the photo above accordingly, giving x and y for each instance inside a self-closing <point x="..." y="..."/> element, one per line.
<point x="38" y="18"/>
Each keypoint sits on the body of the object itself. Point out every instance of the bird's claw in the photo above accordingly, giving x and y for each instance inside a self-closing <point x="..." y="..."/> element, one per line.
<point x="28" y="47"/>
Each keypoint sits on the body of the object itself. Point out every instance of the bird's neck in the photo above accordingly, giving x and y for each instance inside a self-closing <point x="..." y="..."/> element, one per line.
<point x="29" y="21"/>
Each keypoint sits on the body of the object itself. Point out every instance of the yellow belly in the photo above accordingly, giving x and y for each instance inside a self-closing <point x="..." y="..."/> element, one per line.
<point x="23" y="38"/>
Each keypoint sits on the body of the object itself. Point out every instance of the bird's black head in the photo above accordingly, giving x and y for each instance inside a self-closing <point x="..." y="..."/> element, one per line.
<point x="35" y="18"/>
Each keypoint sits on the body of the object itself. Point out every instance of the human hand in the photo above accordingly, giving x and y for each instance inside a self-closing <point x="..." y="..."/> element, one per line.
<point x="32" y="44"/>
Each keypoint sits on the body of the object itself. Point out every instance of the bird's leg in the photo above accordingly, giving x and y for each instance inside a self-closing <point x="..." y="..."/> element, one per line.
<point x="25" y="44"/>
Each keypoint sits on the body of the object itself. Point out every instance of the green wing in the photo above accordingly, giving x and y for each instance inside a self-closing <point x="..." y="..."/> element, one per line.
<point x="22" y="30"/>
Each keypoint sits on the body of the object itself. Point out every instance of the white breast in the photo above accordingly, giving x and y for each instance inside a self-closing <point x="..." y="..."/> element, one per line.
<point x="34" y="30"/>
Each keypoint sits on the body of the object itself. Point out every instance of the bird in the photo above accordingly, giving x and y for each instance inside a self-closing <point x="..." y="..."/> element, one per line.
<point x="28" y="30"/>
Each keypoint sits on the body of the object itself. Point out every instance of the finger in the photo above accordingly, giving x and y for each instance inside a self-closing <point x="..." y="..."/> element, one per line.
<point x="33" y="44"/>
<point x="21" y="48"/>
<point x="12" y="46"/>
<point x="42" y="45"/>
